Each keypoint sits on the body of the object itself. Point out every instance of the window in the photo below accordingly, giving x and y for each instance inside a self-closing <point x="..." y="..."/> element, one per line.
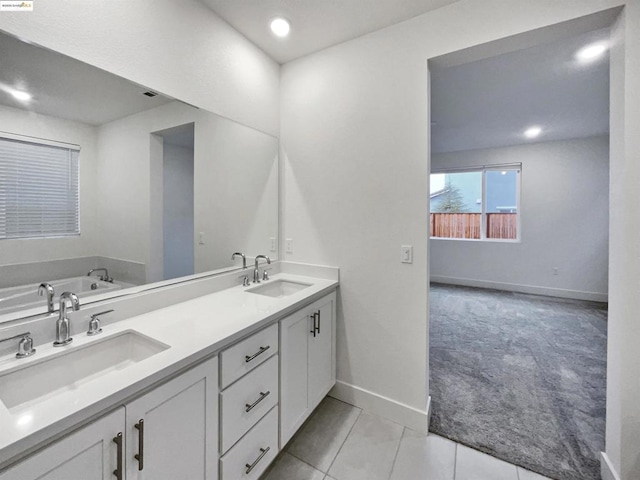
<point x="39" y="185"/>
<point x="476" y="204"/>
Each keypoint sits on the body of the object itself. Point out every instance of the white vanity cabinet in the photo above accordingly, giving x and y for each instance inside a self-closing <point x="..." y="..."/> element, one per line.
<point x="226" y="417"/>
<point x="248" y="405"/>
<point x="171" y="432"/>
<point x="90" y="453"/>
<point x="307" y="362"/>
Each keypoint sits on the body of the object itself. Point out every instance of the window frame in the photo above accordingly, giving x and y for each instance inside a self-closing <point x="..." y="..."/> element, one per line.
<point x="483" y="213"/>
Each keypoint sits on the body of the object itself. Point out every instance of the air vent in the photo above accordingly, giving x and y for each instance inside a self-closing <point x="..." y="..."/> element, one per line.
<point x="150" y="94"/>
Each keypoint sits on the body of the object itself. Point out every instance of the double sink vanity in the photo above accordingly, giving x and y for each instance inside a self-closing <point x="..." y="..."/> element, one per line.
<point x="207" y="388"/>
<point x="179" y="364"/>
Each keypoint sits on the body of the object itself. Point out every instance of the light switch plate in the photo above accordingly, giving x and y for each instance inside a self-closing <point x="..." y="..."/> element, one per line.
<point x="406" y="254"/>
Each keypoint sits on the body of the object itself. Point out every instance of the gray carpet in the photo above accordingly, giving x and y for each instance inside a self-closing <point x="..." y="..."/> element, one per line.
<point x="521" y="377"/>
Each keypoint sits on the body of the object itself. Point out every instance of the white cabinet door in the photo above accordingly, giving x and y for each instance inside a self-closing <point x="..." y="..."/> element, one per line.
<point x="87" y="454"/>
<point x="322" y="367"/>
<point x="307" y="362"/>
<point x="294" y="331"/>
<point x="172" y="431"/>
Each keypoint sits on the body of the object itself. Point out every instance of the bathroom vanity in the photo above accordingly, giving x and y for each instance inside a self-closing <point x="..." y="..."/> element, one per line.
<point x="207" y="388"/>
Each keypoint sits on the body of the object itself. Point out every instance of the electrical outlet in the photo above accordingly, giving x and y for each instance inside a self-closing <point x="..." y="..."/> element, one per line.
<point x="289" y="245"/>
<point x="406" y="254"/>
<point x="201" y="238"/>
<point x="274" y="245"/>
<point x="555" y="270"/>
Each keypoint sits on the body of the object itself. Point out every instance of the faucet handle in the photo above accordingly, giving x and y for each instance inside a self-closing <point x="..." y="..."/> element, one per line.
<point x="94" y="323"/>
<point x="25" y="345"/>
<point x="245" y="280"/>
<point x="265" y="274"/>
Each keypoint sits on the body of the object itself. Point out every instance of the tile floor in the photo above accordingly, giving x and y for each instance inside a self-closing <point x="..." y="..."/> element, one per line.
<point x="342" y="442"/>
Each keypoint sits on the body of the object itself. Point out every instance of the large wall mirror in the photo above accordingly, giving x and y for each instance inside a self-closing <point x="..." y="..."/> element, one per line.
<point x="98" y="173"/>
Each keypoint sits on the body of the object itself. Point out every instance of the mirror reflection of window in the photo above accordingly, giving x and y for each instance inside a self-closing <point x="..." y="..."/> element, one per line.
<point x="39" y="192"/>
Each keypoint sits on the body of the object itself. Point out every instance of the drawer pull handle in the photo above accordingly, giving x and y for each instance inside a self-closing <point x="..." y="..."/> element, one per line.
<point x="248" y="358"/>
<point x="263" y="452"/>
<point x="314" y="328"/>
<point x="263" y="395"/>
<point x="118" y="471"/>
<point x="316" y="323"/>
<point x="140" y="455"/>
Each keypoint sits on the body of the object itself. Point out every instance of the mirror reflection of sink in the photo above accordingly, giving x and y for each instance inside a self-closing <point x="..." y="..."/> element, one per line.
<point x="279" y="288"/>
<point x="74" y="367"/>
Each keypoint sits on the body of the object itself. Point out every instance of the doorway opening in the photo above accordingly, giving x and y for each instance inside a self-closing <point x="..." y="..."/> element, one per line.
<point x="175" y="165"/>
<point x="519" y="251"/>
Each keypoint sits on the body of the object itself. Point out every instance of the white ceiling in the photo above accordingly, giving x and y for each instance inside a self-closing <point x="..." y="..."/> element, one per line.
<point x="315" y="24"/>
<point x="67" y="88"/>
<point x="490" y="102"/>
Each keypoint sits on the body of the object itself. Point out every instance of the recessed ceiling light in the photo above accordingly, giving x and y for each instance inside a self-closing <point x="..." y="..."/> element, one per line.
<point x="532" y="132"/>
<point x="591" y="52"/>
<point x="22" y="96"/>
<point x="280" y="27"/>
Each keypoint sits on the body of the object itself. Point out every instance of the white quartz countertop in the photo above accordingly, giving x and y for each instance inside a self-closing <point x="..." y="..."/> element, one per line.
<point x="193" y="330"/>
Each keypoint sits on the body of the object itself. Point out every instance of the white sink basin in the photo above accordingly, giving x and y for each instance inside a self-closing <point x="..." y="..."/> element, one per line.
<point x="73" y="367"/>
<point x="279" y="288"/>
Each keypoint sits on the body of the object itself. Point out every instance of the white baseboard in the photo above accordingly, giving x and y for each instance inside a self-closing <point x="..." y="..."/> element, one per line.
<point x="382" y="406"/>
<point x="515" y="287"/>
<point x="606" y="468"/>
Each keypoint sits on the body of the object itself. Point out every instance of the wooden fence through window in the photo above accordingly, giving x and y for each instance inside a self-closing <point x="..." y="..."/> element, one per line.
<point x="469" y="225"/>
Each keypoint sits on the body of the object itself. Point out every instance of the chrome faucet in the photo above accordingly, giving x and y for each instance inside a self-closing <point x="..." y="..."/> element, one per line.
<point x="63" y="330"/>
<point x="244" y="259"/>
<point x="104" y="278"/>
<point x="46" y="288"/>
<point x="256" y="272"/>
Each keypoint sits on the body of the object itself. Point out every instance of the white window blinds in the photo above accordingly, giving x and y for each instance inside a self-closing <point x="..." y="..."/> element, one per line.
<point x="39" y="190"/>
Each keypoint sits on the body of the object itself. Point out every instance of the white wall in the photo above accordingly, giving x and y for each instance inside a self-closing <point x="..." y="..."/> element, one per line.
<point x="44" y="126"/>
<point x="124" y="170"/>
<point x="179" y="48"/>
<point x="623" y="354"/>
<point x="236" y="191"/>
<point x="177" y="221"/>
<point x="235" y="188"/>
<point x="354" y="141"/>
<point x="564" y="223"/>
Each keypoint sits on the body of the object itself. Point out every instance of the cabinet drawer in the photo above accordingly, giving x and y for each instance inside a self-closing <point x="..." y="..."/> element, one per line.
<point x="247" y="401"/>
<point x="248" y="354"/>
<point x="258" y="448"/>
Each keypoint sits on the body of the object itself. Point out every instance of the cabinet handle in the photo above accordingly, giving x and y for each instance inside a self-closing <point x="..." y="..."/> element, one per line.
<point x="263" y="395"/>
<point x="314" y="329"/>
<point x="140" y="455"/>
<point x="248" y="358"/>
<point x="118" y="441"/>
<point x="263" y="452"/>
<point x="318" y="322"/>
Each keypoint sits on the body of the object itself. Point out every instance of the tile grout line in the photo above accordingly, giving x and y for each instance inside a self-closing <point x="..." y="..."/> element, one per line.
<point x="305" y="462"/>
<point x="344" y="441"/>
<point x="395" y="457"/>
